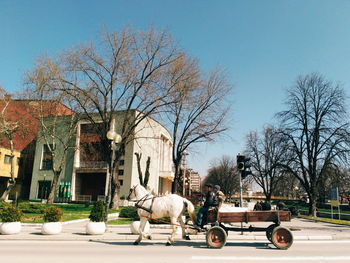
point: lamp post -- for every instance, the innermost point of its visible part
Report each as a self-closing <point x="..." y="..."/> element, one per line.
<point x="184" y="163"/>
<point x="114" y="138"/>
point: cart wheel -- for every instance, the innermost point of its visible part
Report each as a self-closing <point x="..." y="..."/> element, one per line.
<point x="282" y="237"/>
<point x="269" y="231"/>
<point x="216" y="237"/>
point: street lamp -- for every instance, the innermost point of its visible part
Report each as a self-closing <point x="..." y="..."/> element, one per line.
<point x="184" y="164"/>
<point x="114" y="138"/>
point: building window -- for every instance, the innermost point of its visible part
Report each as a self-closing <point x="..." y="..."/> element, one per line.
<point x="120" y="172"/>
<point x="7" y="159"/>
<point x="46" y="163"/>
<point x="121" y="162"/>
<point x="44" y="189"/>
<point x="121" y="182"/>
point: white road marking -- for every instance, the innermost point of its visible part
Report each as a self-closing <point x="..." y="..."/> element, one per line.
<point x="199" y="241"/>
<point x="281" y="259"/>
<point x="321" y="242"/>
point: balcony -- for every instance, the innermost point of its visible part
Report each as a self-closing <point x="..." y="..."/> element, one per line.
<point x="167" y="174"/>
<point x="92" y="165"/>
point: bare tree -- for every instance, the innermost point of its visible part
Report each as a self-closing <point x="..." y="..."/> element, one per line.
<point x="58" y="133"/>
<point x="57" y="123"/>
<point x="199" y="113"/>
<point x="8" y="128"/>
<point x="314" y="126"/>
<point x="128" y="71"/>
<point x="266" y="153"/>
<point x="143" y="179"/>
<point x="287" y="186"/>
<point x="223" y="172"/>
<point x="334" y="177"/>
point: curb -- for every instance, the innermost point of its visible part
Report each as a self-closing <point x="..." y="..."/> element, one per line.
<point x="110" y="217"/>
<point x="155" y="237"/>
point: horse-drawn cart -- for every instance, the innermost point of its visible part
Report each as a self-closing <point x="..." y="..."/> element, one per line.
<point x="280" y="236"/>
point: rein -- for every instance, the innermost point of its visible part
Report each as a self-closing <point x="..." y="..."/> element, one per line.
<point x="162" y="221"/>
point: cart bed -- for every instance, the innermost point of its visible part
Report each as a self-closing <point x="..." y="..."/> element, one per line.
<point x="254" y="216"/>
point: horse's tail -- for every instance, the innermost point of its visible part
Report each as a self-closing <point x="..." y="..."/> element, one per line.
<point x="190" y="210"/>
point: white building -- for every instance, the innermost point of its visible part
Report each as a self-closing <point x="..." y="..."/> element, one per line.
<point x="86" y="173"/>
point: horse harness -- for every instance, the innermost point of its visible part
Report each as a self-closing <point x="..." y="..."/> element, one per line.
<point x="139" y="203"/>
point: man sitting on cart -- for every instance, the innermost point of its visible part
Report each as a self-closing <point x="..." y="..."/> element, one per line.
<point x="219" y="195"/>
<point x="211" y="201"/>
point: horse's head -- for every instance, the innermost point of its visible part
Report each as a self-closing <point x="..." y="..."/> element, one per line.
<point x="132" y="194"/>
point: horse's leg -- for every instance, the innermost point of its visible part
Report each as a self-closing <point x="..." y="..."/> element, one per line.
<point x="184" y="235"/>
<point x="143" y="221"/>
<point x="174" y="227"/>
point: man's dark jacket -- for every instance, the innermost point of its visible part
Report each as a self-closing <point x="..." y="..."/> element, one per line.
<point x="211" y="199"/>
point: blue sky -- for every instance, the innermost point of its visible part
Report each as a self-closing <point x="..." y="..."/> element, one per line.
<point x="264" y="45"/>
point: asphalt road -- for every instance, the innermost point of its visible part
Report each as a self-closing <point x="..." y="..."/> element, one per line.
<point x="183" y="252"/>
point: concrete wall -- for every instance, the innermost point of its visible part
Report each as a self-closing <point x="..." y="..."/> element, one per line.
<point x="154" y="140"/>
<point x="5" y="168"/>
<point x="40" y="174"/>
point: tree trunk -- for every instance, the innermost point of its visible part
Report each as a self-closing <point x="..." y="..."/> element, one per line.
<point x="12" y="181"/>
<point x="138" y="161"/>
<point x="268" y="197"/>
<point x="175" y="184"/>
<point x="54" y="187"/>
<point x="312" y="207"/>
<point x="11" y="184"/>
<point x="115" y="197"/>
<point x="147" y="174"/>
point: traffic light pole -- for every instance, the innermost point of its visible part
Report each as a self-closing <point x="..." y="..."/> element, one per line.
<point x="240" y="190"/>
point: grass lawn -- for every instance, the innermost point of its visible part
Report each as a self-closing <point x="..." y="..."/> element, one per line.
<point x="70" y="212"/>
<point x="327" y="220"/>
<point x="121" y="221"/>
<point x="306" y="208"/>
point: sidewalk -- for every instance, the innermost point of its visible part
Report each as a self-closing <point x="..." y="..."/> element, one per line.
<point x="302" y="229"/>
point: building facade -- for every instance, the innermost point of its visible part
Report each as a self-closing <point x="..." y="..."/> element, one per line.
<point x="85" y="172"/>
<point x="26" y="114"/>
<point x="195" y="182"/>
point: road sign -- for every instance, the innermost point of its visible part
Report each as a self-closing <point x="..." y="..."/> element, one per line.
<point x="334" y="196"/>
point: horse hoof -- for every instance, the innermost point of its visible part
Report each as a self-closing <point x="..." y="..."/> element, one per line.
<point x="136" y="243"/>
<point x="187" y="238"/>
<point x="168" y="244"/>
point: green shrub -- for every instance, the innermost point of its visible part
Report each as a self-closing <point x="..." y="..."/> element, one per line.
<point x="53" y="214"/>
<point x="129" y="212"/>
<point x="3" y="204"/>
<point x="10" y="214"/>
<point x="98" y="212"/>
<point x="32" y="208"/>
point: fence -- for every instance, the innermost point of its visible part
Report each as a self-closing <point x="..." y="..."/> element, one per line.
<point x="336" y="215"/>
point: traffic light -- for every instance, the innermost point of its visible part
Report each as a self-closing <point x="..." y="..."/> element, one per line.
<point x="243" y="164"/>
<point x="240" y="162"/>
<point x="244" y="174"/>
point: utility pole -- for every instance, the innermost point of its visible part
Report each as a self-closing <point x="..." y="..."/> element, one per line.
<point x="242" y="166"/>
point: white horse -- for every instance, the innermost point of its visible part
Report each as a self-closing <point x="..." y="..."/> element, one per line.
<point x="150" y="206"/>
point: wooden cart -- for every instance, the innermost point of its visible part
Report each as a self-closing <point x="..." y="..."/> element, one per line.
<point x="280" y="236"/>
